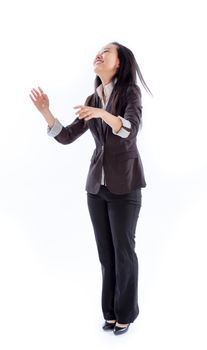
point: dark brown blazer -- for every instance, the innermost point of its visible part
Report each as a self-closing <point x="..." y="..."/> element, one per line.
<point x="119" y="156"/>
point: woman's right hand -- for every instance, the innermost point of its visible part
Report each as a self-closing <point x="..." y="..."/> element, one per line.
<point x="40" y="100"/>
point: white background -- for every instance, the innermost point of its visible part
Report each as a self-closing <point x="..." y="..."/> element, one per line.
<point x="49" y="270"/>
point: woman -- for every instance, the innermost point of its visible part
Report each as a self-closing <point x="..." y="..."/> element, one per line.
<point x="115" y="178"/>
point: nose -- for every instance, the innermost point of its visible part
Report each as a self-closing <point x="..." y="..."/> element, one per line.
<point x="98" y="57"/>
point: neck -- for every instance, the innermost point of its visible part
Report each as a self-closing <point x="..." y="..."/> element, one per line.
<point x="105" y="79"/>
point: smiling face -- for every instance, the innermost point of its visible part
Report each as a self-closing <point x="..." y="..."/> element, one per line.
<point x="106" y="61"/>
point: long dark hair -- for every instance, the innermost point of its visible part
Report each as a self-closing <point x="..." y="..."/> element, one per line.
<point x="126" y="75"/>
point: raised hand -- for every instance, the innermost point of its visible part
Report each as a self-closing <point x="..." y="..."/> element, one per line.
<point x="40" y="99"/>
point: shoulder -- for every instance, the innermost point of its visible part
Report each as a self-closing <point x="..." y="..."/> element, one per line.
<point x="133" y="94"/>
<point x="90" y="100"/>
<point x="133" y="89"/>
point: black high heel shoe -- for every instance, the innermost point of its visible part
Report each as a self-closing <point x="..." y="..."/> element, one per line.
<point x="108" y="326"/>
<point x="120" y="330"/>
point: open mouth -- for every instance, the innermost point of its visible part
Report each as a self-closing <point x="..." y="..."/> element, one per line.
<point x="98" y="62"/>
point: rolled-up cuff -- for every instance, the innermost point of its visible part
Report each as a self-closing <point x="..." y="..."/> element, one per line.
<point x="55" y="130"/>
<point x="125" y="129"/>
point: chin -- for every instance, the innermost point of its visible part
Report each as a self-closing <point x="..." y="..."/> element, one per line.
<point x="97" y="69"/>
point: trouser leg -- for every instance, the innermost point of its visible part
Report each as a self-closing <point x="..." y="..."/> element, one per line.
<point x="99" y="216"/>
<point x="123" y="211"/>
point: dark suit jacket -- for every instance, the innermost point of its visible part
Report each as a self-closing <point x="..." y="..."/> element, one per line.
<point x="119" y="156"/>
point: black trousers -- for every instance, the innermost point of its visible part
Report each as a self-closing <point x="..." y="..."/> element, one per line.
<point x="114" y="219"/>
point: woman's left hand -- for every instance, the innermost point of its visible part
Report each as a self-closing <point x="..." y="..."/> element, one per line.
<point x="87" y="113"/>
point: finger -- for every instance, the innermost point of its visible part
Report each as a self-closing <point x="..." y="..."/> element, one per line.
<point x="81" y="112"/>
<point x="89" y="117"/>
<point x="40" y="90"/>
<point x="34" y="95"/>
<point x="80" y="106"/>
<point x="35" y="92"/>
<point x="84" y="114"/>
<point x="83" y="109"/>
<point x="32" y="98"/>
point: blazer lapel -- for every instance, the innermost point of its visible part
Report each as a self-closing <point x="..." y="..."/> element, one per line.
<point x="98" y="124"/>
<point x="108" y="109"/>
<point x="102" y="128"/>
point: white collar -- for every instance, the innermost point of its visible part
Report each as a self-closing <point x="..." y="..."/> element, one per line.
<point x="107" y="89"/>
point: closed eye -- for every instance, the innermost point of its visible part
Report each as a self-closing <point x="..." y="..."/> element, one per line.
<point x="106" y="50"/>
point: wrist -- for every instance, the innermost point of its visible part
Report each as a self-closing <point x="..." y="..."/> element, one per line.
<point x="50" y="119"/>
<point x="104" y="115"/>
<point x="45" y="112"/>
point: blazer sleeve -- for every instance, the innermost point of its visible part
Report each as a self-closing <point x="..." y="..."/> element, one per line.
<point x="68" y="134"/>
<point x="133" y="111"/>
